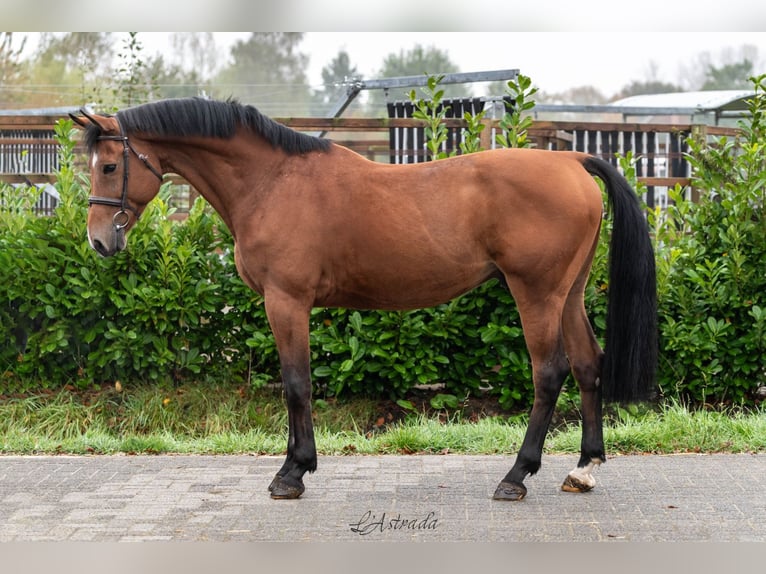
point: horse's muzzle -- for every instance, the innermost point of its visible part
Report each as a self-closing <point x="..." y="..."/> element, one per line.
<point x="108" y="244"/>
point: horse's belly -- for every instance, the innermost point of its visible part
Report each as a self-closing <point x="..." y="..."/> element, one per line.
<point x="400" y="289"/>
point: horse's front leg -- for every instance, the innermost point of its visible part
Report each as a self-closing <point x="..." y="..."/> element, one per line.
<point x="289" y="320"/>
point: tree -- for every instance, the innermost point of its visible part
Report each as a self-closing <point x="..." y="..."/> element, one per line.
<point x="269" y="72"/>
<point x="334" y="77"/>
<point x="133" y="85"/>
<point x="417" y="61"/>
<point x="729" y="76"/>
<point x="651" y="84"/>
<point x="69" y="68"/>
<point x="580" y="95"/>
<point x="10" y="68"/>
<point x="729" y="69"/>
<point x="77" y="50"/>
<point x="638" y="88"/>
<point x="196" y="53"/>
<point x="173" y="81"/>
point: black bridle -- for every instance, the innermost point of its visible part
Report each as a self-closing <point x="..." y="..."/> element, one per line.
<point x="121" y="218"/>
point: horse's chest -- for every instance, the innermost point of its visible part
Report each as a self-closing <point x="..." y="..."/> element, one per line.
<point x="246" y="272"/>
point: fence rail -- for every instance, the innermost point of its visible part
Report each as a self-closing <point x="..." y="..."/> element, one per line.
<point x="28" y="151"/>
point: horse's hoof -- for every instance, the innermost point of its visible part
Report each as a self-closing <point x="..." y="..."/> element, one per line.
<point x="581" y="478"/>
<point x="282" y="490"/>
<point x="513" y="491"/>
<point x="574" y="484"/>
<point x="274" y="482"/>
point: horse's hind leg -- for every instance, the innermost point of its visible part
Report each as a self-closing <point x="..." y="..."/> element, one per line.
<point x="290" y="324"/>
<point x="585" y="358"/>
<point x="541" y="320"/>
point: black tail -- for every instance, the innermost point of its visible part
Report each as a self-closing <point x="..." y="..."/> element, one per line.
<point x="630" y="361"/>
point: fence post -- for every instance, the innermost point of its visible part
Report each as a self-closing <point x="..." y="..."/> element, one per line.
<point x="485" y="138"/>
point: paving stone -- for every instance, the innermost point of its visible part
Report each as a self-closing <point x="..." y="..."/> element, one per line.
<point x="387" y="498"/>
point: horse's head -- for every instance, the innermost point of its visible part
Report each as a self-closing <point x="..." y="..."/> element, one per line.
<point x="122" y="178"/>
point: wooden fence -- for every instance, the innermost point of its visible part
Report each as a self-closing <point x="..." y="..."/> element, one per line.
<point x="408" y="144"/>
<point x="28" y="151"/>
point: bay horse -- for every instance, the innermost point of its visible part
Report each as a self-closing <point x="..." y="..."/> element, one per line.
<point x="318" y="225"/>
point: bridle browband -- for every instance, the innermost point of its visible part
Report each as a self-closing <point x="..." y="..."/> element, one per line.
<point x="121" y="218"/>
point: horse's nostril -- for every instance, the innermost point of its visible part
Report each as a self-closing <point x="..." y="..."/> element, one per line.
<point x="100" y="248"/>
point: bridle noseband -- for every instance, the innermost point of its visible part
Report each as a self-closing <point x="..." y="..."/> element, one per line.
<point x="121" y="218"/>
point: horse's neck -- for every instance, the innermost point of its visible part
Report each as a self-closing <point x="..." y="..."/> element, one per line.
<point x="222" y="171"/>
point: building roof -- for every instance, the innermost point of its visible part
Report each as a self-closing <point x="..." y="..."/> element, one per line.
<point x="57" y="111"/>
<point x="709" y="107"/>
<point x="698" y="102"/>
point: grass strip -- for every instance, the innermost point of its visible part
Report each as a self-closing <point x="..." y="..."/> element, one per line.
<point x="194" y="422"/>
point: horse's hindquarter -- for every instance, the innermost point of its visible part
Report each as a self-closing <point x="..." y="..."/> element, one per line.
<point x="547" y="210"/>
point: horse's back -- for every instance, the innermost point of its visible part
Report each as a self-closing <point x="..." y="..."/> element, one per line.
<point x="546" y="181"/>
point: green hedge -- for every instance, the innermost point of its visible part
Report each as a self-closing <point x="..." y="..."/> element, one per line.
<point x="172" y="307"/>
<point x="155" y="313"/>
<point x="712" y="269"/>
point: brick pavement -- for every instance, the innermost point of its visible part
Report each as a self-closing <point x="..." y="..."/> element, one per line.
<point x="385" y="498"/>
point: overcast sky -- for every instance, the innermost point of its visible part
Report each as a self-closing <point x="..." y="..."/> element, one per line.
<point x="558" y="43"/>
<point x="556" y="61"/>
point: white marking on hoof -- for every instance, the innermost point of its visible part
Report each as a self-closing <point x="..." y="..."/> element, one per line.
<point x="581" y="478"/>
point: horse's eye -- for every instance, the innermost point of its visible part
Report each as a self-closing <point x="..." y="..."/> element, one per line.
<point x="110" y="168"/>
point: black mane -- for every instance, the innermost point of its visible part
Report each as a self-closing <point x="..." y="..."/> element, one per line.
<point x="199" y="117"/>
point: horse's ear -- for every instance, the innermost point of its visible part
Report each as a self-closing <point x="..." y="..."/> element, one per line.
<point x="78" y="120"/>
<point x="90" y="117"/>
